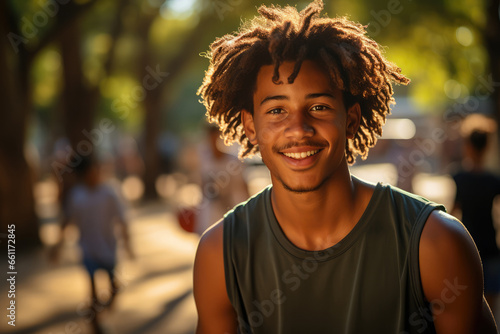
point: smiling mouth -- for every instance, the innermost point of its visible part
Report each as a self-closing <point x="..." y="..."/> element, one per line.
<point x="300" y="155"/>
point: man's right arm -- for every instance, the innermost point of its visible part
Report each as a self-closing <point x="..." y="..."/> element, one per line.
<point x="215" y="313"/>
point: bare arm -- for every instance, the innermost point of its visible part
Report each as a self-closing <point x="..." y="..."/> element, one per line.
<point x="54" y="251"/>
<point x="452" y="280"/>
<point x="126" y="239"/>
<point x="215" y="313"/>
<point x="122" y="222"/>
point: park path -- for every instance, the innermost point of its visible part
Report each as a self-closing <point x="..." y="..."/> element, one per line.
<point x="156" y="287"/>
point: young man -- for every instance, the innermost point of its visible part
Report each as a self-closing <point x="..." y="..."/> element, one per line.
<point x="321" y="251"/>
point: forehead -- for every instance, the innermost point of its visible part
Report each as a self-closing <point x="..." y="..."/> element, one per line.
<point x="312" y="77"/>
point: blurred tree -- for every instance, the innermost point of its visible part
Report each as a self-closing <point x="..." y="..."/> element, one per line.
<point x="491" y="35"/>
<point x="16" y="178"/>
<point x="81" y="95"/>
<point x="159" y="67"/>
<point x="25" y="37"/>
<point x="449" y="48"/>
<point x="163" y="70"/>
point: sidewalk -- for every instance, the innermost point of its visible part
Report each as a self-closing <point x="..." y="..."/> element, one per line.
<point x="156" y="287"/>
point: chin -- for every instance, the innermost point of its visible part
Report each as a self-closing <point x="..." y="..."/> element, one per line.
<point x="300" y="189"/>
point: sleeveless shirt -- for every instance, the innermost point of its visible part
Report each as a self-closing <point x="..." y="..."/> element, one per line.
<point x="369" y="282"/>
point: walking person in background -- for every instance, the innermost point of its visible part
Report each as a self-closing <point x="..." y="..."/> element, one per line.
<point x="94" y="207"/>
<point x="476" y="190"/>
<point x="322" y="251"/>
<point x="222" y="182"/>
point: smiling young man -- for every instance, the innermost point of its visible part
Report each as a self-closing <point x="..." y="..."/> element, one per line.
<point x="321" y="251"/>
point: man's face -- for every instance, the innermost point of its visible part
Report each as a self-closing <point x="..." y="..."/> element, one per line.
<point x="301" y="128"/>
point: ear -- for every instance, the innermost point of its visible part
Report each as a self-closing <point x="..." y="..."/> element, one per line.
<point x="353" y="120"/>
<point x="249" y="126"/>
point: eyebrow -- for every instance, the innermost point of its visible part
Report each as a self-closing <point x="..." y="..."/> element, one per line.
<point x="284" y="97"/>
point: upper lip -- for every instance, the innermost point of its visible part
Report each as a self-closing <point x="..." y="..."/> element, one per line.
<point x="300" y="149"/>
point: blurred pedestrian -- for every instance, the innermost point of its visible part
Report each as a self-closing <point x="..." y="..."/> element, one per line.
<point x="65" y="180"/>
<point x="476" y="189"/>
<point x="95" y="208"/>
<point x="222" y="182"/>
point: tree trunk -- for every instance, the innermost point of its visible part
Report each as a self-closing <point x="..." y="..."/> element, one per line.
<point x="78" y="111"/>
<point x="79" y="100"/>
<point x="16" y="177"/>
<point x="152" y="123"/>
<point x="166" y="74"/>
<point x="492" y="39"/>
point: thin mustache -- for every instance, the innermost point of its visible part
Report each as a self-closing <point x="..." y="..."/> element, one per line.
<point x="317" y="144"/>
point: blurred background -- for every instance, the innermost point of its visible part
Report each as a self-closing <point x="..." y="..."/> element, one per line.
<point x="118" y="79"/>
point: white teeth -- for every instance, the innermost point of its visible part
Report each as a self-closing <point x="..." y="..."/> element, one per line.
<point x="300" y="155"/>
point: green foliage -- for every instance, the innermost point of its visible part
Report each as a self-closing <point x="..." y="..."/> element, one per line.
<point x="437" y="43"/>
<point x="46" y="78"/>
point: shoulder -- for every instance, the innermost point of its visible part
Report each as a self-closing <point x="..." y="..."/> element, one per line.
<point x="76" y="192"/>
<point x="210" y="252"/>
<point x="495" y="179"/>
<point x="215" y="312"/>
<point x="444" y="236"/>
<point x="211" y="240"/>
<point x="257" y="204"/>
<point x="77" y="188"/>
<point x="108" y="190"/>
<point x="402" y="196"/>
<point x="451" y="273"/>
<point x="447" y="247"/>
<point x="410" y="207"/>
<point x="443" y="227"/>
<point x="209" y="260"/>
<point x="459" y="174"/>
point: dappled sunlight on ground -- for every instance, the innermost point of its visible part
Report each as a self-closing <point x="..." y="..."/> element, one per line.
<point x="155" y="288"/>
<point x="49" y="294"/>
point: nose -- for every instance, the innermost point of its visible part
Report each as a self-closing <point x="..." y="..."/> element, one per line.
<point x="298" y="127"/>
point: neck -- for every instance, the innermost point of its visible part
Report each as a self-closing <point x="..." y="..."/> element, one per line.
<point x="319" y="219"/>
<point x="474" y="163"/>
<point x="92" y="184"/>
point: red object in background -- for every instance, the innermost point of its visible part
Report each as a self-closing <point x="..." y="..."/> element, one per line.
<point x="187" y="219"/>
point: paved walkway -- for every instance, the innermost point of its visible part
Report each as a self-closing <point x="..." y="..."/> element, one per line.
<point x="156" y="287"/>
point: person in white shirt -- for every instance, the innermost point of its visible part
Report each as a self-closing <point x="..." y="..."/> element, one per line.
<point x="95" y="208"/>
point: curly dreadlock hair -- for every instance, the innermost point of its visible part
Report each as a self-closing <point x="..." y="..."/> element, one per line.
<point x="354" y="62"/>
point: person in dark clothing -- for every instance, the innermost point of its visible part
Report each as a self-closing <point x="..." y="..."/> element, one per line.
<point x="476" y="191"/>
<point x="321" y="251"/>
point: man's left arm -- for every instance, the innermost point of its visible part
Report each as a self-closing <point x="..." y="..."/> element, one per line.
<point x="452" y="278"/>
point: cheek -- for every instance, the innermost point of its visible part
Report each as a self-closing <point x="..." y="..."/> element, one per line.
<point x="266" y="135"/>
<point x="333" y="133"/>
<point x="331" y="129"/>
<point x="339" y="127"/>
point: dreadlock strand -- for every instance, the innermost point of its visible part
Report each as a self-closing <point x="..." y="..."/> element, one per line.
<point x="298" y="63"/>
<point x="269" y="13"/>
<point x="314" y="8"/>
<point x="308" y="14"/>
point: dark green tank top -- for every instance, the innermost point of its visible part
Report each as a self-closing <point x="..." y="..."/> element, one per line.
<point x="369" y="282"/>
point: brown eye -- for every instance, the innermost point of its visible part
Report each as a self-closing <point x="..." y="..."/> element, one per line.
<point x="319" y="108"/>
<point x="275" y="111"/>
